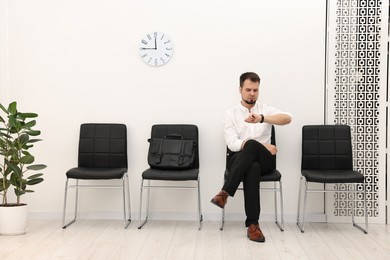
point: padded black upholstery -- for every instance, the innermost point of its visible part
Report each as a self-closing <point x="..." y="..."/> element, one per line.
<point x="102" y="155"/>
<point x="170" y="175"/>
<point x="274" y="175"/>
<point x="327" y="154"/>
<point x="102" y="152"/>
<point x="189" y="132"/>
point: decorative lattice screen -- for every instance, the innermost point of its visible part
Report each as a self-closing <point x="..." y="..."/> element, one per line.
<point x="358" y="29"/>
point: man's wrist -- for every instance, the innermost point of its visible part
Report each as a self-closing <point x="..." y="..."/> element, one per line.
<point x="262" y="118"/>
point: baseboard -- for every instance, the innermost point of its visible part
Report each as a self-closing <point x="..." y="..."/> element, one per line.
<point x="190" y="216"/>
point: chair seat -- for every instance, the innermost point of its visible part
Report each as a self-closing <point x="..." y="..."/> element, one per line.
<point x="95" y="173"/>
<point x="333" y="176"/>
<point x="274" y="175"/>
<point x="170" y="175"/>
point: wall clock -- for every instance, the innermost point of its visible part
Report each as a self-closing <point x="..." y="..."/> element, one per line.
<point x="156" y="49"/>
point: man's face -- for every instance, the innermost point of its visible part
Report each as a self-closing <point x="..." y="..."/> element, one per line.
<point x="250" y="92"/>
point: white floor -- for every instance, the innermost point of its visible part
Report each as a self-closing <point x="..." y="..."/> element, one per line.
<point x="106" y="239"/>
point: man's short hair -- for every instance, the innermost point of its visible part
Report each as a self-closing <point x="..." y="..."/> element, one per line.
<point x="249" y="75"/>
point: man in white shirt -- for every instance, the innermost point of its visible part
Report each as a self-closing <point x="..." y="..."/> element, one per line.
<point x="247" y="129"/>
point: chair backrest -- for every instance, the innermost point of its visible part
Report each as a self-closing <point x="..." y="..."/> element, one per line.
<point x="273" y="141"/>
<point x="326" y="147"/>
<point x="189" y="132"/>
<point x="103" y="145"/>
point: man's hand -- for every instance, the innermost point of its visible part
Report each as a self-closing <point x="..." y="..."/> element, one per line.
<point x="271" y="148"/>
<point x="253" y="118"/>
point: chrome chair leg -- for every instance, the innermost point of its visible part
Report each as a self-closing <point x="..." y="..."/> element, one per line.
<point x="281" y="223"/>
<point x="299" y="203"/>
<point x="301" y="225"/>
<point x="141" y="224"/>
<point x="364" y="230"/>
<point x="125" y="190"/>
<point x="222" y="219"/>
<point x="200" y="216"/>
<point x="65" y="201"/>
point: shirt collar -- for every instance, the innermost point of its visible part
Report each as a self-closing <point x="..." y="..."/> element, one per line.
<point x="245" y="109"/>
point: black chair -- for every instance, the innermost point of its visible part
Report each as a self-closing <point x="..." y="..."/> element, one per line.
<point x="102" y="156"/>
<point x="156" y="177"/>
<point x="274" y="176"/>
<point x="327" y="158"/>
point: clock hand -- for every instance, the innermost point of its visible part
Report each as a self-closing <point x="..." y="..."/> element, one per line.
<point x="148" y="48"/>
<point x="155" y="43"/>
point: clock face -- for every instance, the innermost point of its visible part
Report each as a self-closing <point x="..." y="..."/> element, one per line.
<point x="156" y="49"/>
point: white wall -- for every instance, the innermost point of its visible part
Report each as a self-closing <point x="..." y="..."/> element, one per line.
<point x="76" y="61"/>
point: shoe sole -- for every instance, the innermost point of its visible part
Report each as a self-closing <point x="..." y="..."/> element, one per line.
<point x="260" y="241"/>
<point x="216" y="204"/>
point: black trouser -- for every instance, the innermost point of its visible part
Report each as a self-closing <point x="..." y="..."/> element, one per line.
<point x="247" y="166"/>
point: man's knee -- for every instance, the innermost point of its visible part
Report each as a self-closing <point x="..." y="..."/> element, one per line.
<point x="251" y="145"/>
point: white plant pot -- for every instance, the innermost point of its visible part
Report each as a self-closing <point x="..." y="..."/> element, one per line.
<point x="13" y="220"/>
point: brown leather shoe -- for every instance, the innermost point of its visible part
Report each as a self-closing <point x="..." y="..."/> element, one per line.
<point x="220" y="199"/>
<point x="254" y="233"/>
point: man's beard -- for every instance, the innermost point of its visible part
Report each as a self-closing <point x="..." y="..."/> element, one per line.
<point x="249" y="102"/>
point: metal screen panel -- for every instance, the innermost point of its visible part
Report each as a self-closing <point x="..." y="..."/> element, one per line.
<point x="356" y="46"/>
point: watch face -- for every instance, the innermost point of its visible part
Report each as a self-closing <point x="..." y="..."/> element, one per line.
<point x="156" y="49"/>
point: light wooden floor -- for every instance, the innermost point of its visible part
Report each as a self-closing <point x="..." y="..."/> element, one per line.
<point x="106" y="239"/>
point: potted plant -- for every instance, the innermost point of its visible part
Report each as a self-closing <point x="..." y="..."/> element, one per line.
<point x="17" y="136"/>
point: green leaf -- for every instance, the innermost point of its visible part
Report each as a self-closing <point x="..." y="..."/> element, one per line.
<point x="14" y="124"/>
<point x="34" y="181"/>
<point x="26" y="153"/>
<point x="12" y="108"/>
<point x="33" y="132"/>
<point x="36" y="167"/>
<point x="19" y="192"/>
<point x="14" y="180"/>
<point x="26" y="147"/>
<point x="30" y="124"/>
<point x="35" y="176"/>
<point x="34" y="141"/>
<point x="7" y="184"/>
<point x="28" y="115"/>
<point x="24" y="138"/>
<point x="27" y="159"/>
<point x="14" y="168"/>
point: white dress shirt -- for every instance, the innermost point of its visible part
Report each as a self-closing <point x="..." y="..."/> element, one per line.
<point x="237" y="131"/>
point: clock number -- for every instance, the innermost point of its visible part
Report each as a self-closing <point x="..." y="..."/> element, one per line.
<point x="163" y="61"/>
<point x="167" y="42"/>
<point x="162" y="36"/>
<point x="149" y="60"/>
<point x="149" y="37"/>
<point x="166" y="54"/>
<point x="155" y="35"/>
<point x="168" y="49"/>
<point x="144" y="42"/>
<point x="143" y="56"/>
<point x="155" y="62"/>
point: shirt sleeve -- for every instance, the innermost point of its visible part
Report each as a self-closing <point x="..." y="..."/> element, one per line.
<point x="230" y="132"/>
<point x="270" y="110"/>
